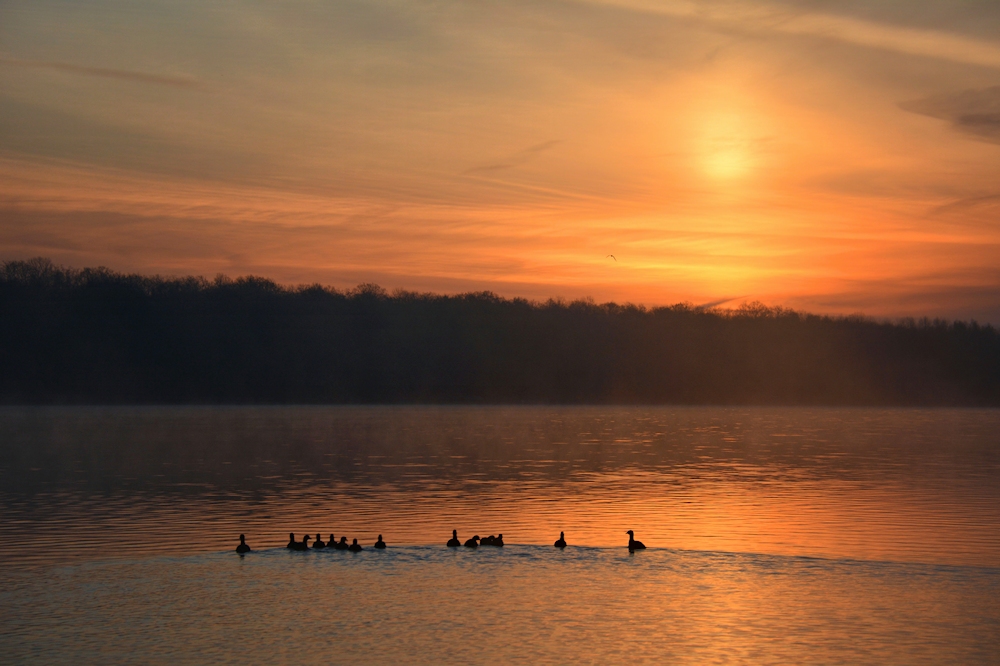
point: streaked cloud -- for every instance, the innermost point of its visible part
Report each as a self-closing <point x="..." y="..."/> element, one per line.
<point x="514" y="159"/>
<point x="120" y="74"/>
<point x="975" y="112"/>
<point x="796" y="19"/>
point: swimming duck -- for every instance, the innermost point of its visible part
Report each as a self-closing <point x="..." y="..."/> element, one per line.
<point x="332" y="543"/>
<point x="298" y="545"/>
<point x="487" y="541"/>
<point x="354" y="547"/>
<point x="342" y="544"/>
<point x="291" y="541"/>
<point x="498" y="542"/>
<point x="453" y="542"/>
<point x="633" y="544"/>
<point x="243" y="547"/>
<point x="473" y="542"/>
<point x="561" y="541"/>
<point x="380" y="544"/>
<point x="318" y="543"/>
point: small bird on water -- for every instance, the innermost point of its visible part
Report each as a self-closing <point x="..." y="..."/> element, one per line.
<point x="380" y="544"/>
<point x="453" y="542"/>
<point x="318" y="543"/>
<point x="297" y="545"/>
<point x="342" y="544"/>
<point x="354" y="547"/>
<point x="473" y="542"/>
<point x="243" y="547"/>
<point x="633" y="544"/>
<point x="561" y="541"/>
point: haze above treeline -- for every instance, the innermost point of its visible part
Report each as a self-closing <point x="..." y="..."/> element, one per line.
<point x="95" y="336"/>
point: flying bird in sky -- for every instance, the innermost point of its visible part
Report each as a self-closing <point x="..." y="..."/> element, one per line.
<point x="613" y="257"/>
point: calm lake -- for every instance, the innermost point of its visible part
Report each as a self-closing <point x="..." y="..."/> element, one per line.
<point x="775" y="535"/>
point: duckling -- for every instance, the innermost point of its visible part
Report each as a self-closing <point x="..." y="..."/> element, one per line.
<point x="380" y="544"/>
<point x="342" y="544"/>
<point x="473" y="542"/>
<point x="243" y="547"/>
<point x="318" y="543"/>
<point x="561" y="541"/>
<point x="633" y="544"/>
<point x="354" y="547"/>
<point x="453" y="542"/>
<point x="498" y="542"/>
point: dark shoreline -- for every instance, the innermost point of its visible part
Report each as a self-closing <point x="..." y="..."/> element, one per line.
<point x="93" y="337"/>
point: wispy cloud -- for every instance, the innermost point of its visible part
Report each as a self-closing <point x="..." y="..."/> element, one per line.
<point x="718" y="302"/>
<point x="515" y="159"/>
<point x="121" y="74"/>
<point x="975" y="112"/>
<point x="765" y="18"/>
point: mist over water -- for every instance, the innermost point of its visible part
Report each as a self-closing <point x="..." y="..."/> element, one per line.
<point x="781" y="535"/>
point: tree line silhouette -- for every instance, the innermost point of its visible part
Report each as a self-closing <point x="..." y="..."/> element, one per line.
<point x="98" y="336"/>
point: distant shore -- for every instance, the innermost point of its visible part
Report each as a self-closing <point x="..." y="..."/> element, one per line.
<point x="94" y="336"/>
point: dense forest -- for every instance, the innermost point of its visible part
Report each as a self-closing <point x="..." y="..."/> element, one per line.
<point x="96" y="336"/>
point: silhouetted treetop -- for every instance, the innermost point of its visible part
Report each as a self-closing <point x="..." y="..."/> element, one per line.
<point x="98" y="336"/>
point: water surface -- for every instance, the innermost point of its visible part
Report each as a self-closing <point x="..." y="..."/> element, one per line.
<point x="776" y="535"/>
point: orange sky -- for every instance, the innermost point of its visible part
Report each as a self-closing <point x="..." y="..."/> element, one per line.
<point x="835" y="157"/>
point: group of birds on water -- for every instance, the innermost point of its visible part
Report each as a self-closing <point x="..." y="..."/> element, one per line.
<point x="453" y="542"/>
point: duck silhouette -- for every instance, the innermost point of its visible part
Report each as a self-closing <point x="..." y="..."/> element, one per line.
<point x="243" y="547"/>
<point x="473" y="542"/>
<point x="453" y="542"/>
<point x="342" y="544"/>
<point x="380" y="544"/>
<point x="299" y="545"/>
<point x="561" y="541"/>
<point x="332" y="543"/>
<point x="487" y="541"/>
<point x="498" y="542"/>
<point x="354" y="547"/>
<point x="633" y="544"/>
<point x="318" y="543"/>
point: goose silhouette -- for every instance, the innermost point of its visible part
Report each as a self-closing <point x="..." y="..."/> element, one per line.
<point x="561" y="541"/>
<point x="354" y="547"/>
<point x="243" y="547"/>
<point x="473" y="542"/>
<point x="297" y="545"/>
<point x="453" y="542"/>
<point x="318" y="543"/>
<point x="633" y="544"/>
<point x="380" y="544"/>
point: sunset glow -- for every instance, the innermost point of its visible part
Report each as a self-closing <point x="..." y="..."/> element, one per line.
<point x="832" y="158"/>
